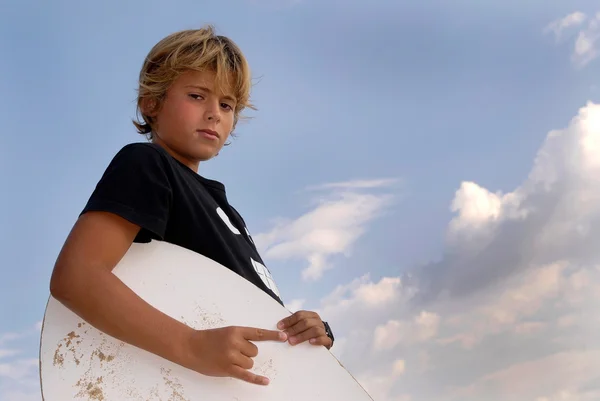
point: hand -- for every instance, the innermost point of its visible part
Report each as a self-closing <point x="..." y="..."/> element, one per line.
<point x="305" y="326"/>
<point x="228" y="351"/>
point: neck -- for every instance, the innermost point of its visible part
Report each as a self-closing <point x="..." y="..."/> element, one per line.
<point x="191" y="164"/>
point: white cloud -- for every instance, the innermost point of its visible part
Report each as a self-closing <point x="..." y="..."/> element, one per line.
<point x="510" y="311"/>
<point x="4" y="352"/>
<point x="19" y="369"/>
<point x="295" y="305"/>
<point x="12" y="336"/>
<point x="587" y="43"/>
<point x="340" y="217"/>
<point x="517" y="331"/>
<point x="563" y="374"/>
<point x="19" y="379"/>
<point x="363" y="296"/>
<point x="547" y="219"/>
<point x="586" y="46"/>
<point x="21" y="395"/>
<point x="357" y="184"/>
<point x="510" y="308"/>
<point x="6" y="337"/>
<point x="399" y="367"/>
<point x="560" y="25"/>
<point x="423" y="327"/>
<point x="378" y="386"/>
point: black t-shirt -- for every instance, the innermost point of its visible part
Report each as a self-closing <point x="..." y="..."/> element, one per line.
<point x="147" y="186"/>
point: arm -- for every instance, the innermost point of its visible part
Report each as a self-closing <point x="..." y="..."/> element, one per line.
<point x="83" y="281"/>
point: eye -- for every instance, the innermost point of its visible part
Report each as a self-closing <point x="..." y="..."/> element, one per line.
<point x="226" y="106"/>
<point x="196" y="96"/>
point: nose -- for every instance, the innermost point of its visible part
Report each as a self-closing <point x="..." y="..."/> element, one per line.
<point x="212" y="111"/>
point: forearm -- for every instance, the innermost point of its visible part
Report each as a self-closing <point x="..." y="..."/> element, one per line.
<point x="104" y="301"/>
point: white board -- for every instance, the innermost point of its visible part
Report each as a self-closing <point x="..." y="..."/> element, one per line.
<point x="78" y="362"/>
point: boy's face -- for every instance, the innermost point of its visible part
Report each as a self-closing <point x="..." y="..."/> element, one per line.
<point x="195" y="118"/>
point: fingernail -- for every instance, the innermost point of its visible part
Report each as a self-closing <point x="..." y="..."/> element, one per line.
<point x="283" y="336"/>
<point x="313" y="340"/>
<point x="292" y="340"/>
<point x="265" y="381"/>
<point x="280" y="325"/>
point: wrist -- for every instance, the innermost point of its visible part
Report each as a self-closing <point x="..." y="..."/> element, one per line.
<point x="181" y="346"/>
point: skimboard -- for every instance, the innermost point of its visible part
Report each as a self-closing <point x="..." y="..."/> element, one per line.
<point x="79" y="362"/>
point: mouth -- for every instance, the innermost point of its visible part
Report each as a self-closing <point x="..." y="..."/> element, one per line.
<point x="210" y="133"/>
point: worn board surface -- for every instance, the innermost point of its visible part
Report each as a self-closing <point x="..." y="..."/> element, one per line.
<point x="78" y="362"/>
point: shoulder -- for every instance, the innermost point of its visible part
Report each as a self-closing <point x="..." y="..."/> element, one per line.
<point x="140" y="156"/>
<point x="140" y="151"/>
<point x="138" y="164"/>
<point x="137" y="186"/>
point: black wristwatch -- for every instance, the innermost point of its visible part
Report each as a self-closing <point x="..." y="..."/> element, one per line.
<point x="329" y="332"/>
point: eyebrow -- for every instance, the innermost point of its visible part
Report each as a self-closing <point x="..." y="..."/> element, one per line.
<point x="229" y="97"/>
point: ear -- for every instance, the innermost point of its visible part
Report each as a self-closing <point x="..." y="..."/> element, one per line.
<point x="149" y="106"/>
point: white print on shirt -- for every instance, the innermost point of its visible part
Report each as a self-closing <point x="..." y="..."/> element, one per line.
<point x="265" y="276"/>
<point x="261" y="270"/>
<point x="227" y="222"/>
<point x="249" y="236"/>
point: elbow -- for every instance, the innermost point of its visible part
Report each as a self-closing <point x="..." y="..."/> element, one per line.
<point x="59" y="284"/>
<point x="56" y="290"/>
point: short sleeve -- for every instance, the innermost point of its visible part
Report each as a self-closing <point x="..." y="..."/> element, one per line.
<point x="136" y="187"/>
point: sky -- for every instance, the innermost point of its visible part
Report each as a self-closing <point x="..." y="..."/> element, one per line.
<point x="422" y="174"/>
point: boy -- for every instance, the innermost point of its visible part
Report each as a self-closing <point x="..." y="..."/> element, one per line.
<point x="192" y="87"/>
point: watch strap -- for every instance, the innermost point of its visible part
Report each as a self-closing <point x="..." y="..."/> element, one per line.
<point x="329" y="332"/>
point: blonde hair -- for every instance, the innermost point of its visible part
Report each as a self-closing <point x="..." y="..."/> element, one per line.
<point x="193" y="49"/>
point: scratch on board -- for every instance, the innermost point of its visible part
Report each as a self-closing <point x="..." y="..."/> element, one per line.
<point x="70" y="337"/>
<point x="135" y="393"/>
<point x="267" y="369"/>
<point x="176" y="387"/>
<point x="102" y="357"/>
<point x="69" y="346"/>
<point x="204" y="319"/>
<point x="59" y="358"/>
<point x="91" y="382"/>
<point x="91" y="389"/>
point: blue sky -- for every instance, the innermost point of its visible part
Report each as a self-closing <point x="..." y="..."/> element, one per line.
<point x="429" y="94"/>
